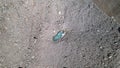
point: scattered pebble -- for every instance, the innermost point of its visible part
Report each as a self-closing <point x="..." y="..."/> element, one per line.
<point x="59" y="24"/>
<point x="101" y="47"/>
<point x="110" y="57"/>
<point x="33" y="57"/>
<point x="103" y="63"/>
<point x="59" y="12"/>
<point x="98" y="30"/>
<point x="112" y="17"/>
<point x="5" y="5"/>
<point x="107" y="31"/>
<point x="54" y="31"/>
<point x="115" y="43"/>
<point x="48" y="67"/>
<point x="65" y="56"/>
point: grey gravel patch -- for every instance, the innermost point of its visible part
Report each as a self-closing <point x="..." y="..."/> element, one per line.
<point x="27" y="27"/>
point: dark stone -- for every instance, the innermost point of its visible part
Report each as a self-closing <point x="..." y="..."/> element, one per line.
<point x="109" y="54"/>
<point x="119" y="29"/>
<point x="64" y="67"/>
<point x="115" y="42"/>
<point x="65" y="56"/>
<point x="29" y="48"/>
<point x="89" y="6"/>
<point x="20" y="67"/>
<point x="35" y="37"/>
<point x="112" y="28"/>
<point x="83" y="55"/>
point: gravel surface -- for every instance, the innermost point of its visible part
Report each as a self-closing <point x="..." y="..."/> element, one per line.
<point x="92" y="38"/>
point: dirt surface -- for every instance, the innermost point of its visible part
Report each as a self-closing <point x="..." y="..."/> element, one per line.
<point x="92" y="38"/>
<point x="110" y="7"/>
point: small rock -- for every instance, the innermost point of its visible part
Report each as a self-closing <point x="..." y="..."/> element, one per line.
<point x="101" y="47"/>
<point x="59" y="12"/>
<point x="35" y="37"/>
<point x="54" y="31"/>
<point x="33" y="57"/>
<point x="65" y="56"/>
<point x="112" y="17"/>
<point x="107" y="31"/>
<point x="98" y="30"/>
<point x="119" y="29"/>
<point x="110" y="57"/>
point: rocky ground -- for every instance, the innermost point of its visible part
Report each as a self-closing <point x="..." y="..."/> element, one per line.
<point x="92" y="38"/>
